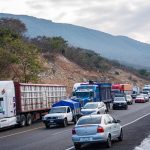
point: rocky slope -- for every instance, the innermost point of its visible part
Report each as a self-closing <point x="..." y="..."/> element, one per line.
<point x="63" y="71"/>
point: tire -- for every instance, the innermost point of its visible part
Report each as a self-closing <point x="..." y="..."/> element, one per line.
<point x="109" y="142"/>
<point x="120" y="138"/>
<point x="47" y="126"/>
<point x="77" y="146"/>
<point x="65" y="123"/>
<point x="108" y="106"/>
<point x="113" y="108"/>
<point x="29" y="119"/>
<point x="22" y="120"/>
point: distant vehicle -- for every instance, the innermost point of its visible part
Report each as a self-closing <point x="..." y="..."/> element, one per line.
<point x="22" y="103"/>
<point x="93" y="92"/>
<point x="122" y="88"/>
<point x="140" y="99"/>
<point x="146" y="90"/>
<point x="135" y="91"/>
<point x="96" y="129"/>
<point x="145" y="96"/>
<point x="120" y="102"/>
<point x="94" y="108"/>
<point x="129" y="99"/>
<point x="62" y="113"/>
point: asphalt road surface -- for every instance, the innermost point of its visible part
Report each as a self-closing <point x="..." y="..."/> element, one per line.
<point x="135" y="121"/>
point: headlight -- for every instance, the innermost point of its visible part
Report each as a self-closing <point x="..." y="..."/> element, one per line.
<point x="43" y="118"/>
<point x="60" y="117"/>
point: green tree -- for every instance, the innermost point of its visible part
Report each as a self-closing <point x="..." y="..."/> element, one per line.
<point x="19" y="55"/>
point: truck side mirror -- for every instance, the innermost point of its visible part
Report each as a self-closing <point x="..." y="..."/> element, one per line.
<point x="73" y="94"/>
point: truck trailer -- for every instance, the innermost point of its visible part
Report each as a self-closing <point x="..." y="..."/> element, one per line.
<point x="22" y="103"/>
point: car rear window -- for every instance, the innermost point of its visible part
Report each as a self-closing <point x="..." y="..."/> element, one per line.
<point x="89" y="120"/>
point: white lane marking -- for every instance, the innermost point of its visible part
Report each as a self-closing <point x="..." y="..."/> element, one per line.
<point x="70" y="148"/>
<point x="20" y="132"/>
<point x="135" y="120"/>
<point x="2" y="137"/>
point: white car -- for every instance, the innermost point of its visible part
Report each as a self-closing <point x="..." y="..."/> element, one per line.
<point x="146" y="97"/>
<point x="96" y="129"/>
<point x="129" y="99"/>
<point x="94" y="108"/>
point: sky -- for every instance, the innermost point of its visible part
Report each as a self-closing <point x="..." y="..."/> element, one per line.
<point x="118" y="17"/>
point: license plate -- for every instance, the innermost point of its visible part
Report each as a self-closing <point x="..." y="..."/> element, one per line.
<point x="85" y="139"/>
<point x="51" y="121"/>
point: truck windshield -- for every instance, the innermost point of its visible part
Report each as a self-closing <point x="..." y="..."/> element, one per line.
<point x="57" y="110"/>
<point x="1" y="108"/>
<point x="82" y="94"/>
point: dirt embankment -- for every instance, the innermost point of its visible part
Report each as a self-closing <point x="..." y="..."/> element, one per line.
<point x="63" y="71"/>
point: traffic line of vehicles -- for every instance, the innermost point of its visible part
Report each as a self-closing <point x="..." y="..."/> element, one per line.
<point x="21" y="103"/>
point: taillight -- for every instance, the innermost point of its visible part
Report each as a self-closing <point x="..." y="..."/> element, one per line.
<point x="73" y="131"/>
<point x="100" y="130"/>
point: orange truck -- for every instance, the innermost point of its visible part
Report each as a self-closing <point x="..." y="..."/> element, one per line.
<point x="122" y="88"/>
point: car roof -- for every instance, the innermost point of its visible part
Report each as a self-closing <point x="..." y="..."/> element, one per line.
<point x="94" y="102"/>
<point x="93" y="116"/>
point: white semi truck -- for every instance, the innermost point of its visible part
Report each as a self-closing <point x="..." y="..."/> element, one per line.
<point x="21" y="103"/>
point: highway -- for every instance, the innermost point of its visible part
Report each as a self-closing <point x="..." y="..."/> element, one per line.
<point x="135" y="122"/>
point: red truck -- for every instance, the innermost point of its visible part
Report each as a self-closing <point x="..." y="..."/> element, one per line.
<point x="21" y="103"/>
<point x="121" y="88"/>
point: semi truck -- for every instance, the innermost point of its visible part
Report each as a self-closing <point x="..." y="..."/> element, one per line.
<point x="62" y="113"/>
<point x="93" y="92"/>
<point x="22" y="103"/>
<point x="146" y="90"/>
<point x="135" y="91"/>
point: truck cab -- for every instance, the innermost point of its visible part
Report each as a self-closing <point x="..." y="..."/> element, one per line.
<point x="7" y="104"/>
<point x="93" y="92"/>
<point x="60" y="115"/>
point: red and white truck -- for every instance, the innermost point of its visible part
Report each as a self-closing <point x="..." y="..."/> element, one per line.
<point x="121" y="88"/>
<point x="21" y="103"/>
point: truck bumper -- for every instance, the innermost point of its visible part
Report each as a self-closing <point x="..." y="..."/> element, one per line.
<point x="53" y="122"/>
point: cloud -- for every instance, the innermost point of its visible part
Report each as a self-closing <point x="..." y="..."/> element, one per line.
<point x="118" y="17"/>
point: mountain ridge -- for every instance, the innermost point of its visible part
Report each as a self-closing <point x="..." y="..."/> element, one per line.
<point x="121" y="48"/>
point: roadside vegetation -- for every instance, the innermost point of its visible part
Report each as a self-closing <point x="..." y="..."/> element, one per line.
<point x="20" y="56"/>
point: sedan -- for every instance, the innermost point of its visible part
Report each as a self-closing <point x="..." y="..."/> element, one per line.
<point x="95" y="129"/>
<point x="140" y="99"/>
<point x="93" y="108"/>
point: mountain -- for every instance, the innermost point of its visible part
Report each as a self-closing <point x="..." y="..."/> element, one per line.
<point x="126" y="50"/>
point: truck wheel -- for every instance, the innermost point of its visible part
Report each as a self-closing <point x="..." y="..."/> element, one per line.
<point x="77" y="146"/>
<point x="22" y="120"/>
<point x="65" y="123"/>
<point x="29" y="119"/>
<point x="47" y="126"/>
<point x="108" y="106"/>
